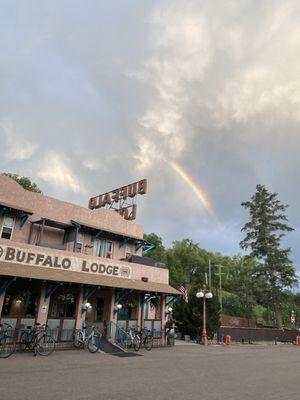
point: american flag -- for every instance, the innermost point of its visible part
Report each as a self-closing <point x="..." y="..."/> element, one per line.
<point x="184" y="293"/>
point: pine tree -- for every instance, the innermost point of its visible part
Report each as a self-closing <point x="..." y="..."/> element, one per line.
<point x="264" y="231"/>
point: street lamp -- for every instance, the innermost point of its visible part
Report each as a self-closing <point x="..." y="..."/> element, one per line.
<point x="86" y="307"/>
<point x="204" y="294"/>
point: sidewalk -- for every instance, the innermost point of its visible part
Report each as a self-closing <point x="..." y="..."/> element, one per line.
<point x="184" y="343"/>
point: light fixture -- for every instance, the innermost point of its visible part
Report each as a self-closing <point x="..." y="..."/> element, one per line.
<point x="119" y="306"/>
<point x="18" y="301"/>
<point x="204" y="294"/>
<point x="170" y="309"/>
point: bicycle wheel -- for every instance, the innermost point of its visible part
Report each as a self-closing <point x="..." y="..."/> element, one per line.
<point x="77" y="339"/>
<point x="94" y="343"/>
<point x="24" y="341"/>
<point x="45" y="345"/>
<point x="7" y="346"/>
<point x="148" y="342"/>
<point x="136" y="343"/>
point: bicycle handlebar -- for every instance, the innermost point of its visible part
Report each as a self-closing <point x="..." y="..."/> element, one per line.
<point x="5" y="323"/>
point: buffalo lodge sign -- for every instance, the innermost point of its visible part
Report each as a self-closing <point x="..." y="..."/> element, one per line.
<point x="14" y="255"/>
<point x="121" y="199"/>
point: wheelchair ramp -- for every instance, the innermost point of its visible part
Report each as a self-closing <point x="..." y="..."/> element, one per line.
<point x="110" y="348"/>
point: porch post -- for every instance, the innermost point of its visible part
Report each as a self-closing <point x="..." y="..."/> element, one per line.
<point x="43" y="308"/>
<point x="80" y="317"/>
<point x="163" y="317"/>
<point x="2" y="297"/>
<point x="139" y="311"/>
<point x="112" y="316"/>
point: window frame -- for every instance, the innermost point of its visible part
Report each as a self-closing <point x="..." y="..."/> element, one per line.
<point x="112" y="248"/>
<point x="101" y="245"/>
<point x="129" y="253"/>
<point x="81" y="243"/>
<point x="12" y="229"/>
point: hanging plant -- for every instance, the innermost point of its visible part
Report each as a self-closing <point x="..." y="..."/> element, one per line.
<point x="24" y="297"/>
<point x="154" y="302"/>
<point x="67" y="298"/>
<point x="130" y="301"/>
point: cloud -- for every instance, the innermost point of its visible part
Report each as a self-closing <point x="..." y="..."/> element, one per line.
<point x="180" y="52"/>
<point x="92" y="165"/>
<point x="58" y="173"/>
<point x="108" y="93"/>
<point x="17" y="147"/>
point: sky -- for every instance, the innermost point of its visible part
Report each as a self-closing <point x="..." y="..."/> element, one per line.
<point x="97" y="94"/>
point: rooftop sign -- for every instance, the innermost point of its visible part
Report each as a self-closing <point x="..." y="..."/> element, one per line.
<point x="121" y="199"/>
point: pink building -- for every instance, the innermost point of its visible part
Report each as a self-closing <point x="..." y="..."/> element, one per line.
<point x="56" y="256"/>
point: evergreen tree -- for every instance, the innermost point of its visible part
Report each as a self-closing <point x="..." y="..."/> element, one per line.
<point x="264" y="231"/>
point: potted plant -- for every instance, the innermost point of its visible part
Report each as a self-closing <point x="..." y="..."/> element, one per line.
<point x="154" y="302"/>
<point x="130" y="301"/>
<point x="67" y="298"/>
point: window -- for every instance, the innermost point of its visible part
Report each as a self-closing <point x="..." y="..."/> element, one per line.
<point x="63" y="305"/>
<point x="79" y="242"/>
<point x="7" y="227"/>
<point x="103" y="248"/>
<point x="109" y="249"/>
<point x="99" y="310"/>
<point x="128" y="251"/>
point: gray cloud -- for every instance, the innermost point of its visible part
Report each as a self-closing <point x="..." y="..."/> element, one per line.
<point x="95" y="95"/>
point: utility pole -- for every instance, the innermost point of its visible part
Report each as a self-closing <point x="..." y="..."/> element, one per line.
<point x="220" y="273"/>
<point x="209" y="274"/>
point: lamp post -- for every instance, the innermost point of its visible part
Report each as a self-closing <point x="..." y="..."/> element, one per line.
<point x="204" y="294"/>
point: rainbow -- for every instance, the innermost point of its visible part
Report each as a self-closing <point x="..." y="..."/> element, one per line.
<point x="195" y="188"/>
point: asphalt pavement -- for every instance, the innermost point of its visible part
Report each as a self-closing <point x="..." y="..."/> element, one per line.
<point x="184" y="372"/>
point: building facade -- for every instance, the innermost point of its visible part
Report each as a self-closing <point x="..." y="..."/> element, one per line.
<point x="55" y="257"/>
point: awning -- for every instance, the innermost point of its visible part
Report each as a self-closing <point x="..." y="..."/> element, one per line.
<point x="52" y="223"/>
<point x="14" y="208"/>
<point x="87" y="227"/>
<point x="48" y="274"/>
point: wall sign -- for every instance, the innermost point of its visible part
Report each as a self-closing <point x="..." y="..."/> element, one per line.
<point x="23" y="256"/>
<point x="44" y="309"/>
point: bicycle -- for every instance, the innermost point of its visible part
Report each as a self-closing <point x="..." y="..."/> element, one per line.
<point x="133" y="339"/>
<point x="91" y="341"/>
<point x="7" y="342"/>
<point x="37" y="339"/>
<point x="146" y="338"/>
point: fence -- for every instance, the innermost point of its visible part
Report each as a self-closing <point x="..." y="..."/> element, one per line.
<point x="119" y="335"/>
<point x="252" y="335"/>
<point x="63" y="337"/>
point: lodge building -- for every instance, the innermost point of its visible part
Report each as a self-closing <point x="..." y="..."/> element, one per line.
<point x="56" y="256"/>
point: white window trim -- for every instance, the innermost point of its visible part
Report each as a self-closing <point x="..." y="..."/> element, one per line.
<point x="12" y="230"/>
<point x="112" y="247"/>
<point x="128" y="253"/>
<point x="103" y="242"/>
<point x="82" y="243"/>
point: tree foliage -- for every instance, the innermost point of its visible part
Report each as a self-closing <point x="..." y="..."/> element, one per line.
<point x="190" y="315"/>
<point x="264" y="233"/>
<point x="25" y="182"/>
<point x="158" y="253"/>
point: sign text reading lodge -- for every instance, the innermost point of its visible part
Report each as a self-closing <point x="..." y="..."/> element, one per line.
<point x="40" y="259"/>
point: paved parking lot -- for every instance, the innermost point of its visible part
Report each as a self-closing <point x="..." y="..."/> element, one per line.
<point x="184" y="372"/>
